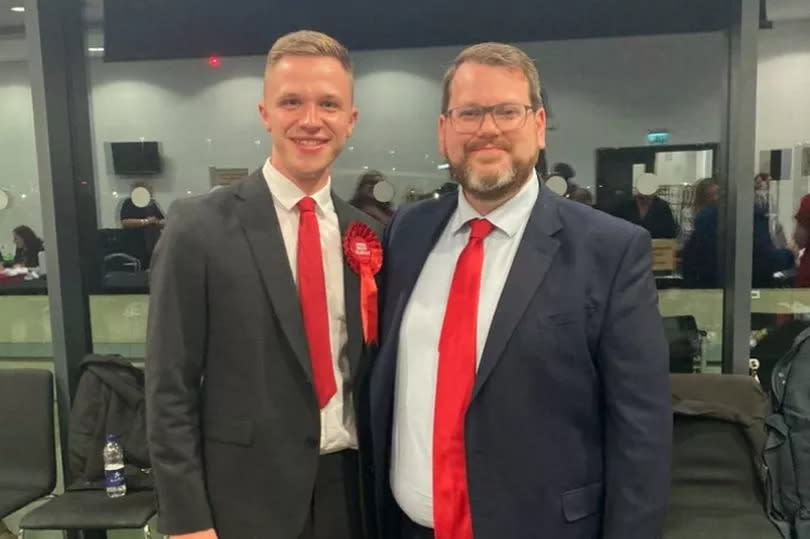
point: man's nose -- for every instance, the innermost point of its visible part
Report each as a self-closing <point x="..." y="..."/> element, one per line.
<point x="311" y="117"/>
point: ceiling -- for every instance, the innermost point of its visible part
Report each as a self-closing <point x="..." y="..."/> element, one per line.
<point x="383" y="30"/>
<point x="12" y="23"/>
<point x="148" y="29"/>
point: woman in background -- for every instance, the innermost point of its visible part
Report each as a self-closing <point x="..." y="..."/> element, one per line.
<point x="706" y="193"/>
<point x="700" y="255"/>
<point x="28" y="247"/>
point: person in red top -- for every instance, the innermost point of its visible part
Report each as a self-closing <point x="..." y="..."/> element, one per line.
<point x="802" y="237"/>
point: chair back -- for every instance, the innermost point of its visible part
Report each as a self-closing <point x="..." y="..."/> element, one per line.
<point x="27" y="450"/>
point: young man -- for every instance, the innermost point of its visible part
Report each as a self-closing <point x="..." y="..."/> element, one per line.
<point x="255" y="352"/>
<point x="521" y="389"/>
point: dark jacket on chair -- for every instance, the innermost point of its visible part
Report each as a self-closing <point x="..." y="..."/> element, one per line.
<point x="108" y="400"/>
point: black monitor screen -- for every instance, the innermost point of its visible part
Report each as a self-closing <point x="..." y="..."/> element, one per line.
<point x="136" y="158"/>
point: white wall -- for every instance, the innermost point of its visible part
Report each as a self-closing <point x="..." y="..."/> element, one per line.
<point x="18" y="163"/>
<point x="783" y="102"/>
<point x="674" y="168"/>
<point x="604" y="93"/>
<point x="783" y="90"/>
<point x="610" y="92"/>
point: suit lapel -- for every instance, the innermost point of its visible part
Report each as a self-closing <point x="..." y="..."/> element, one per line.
<point x="258" y="218"/>
<point x="401" y="270"/>
<point x="532" y="262"/>
<point x="351" y="290"/>
<point x="419" y="245"/>
<point x="413" y="247"/>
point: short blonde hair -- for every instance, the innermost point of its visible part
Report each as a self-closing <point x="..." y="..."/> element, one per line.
<point x="308" y="43"/>
<point x="498" y="55"/>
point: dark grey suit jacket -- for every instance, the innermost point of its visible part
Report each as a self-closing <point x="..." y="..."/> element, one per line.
<point x="233" y="423"/>
<point x="568" y="433"/>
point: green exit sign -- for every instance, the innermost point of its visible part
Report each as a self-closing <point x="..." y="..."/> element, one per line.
<point x="657" y="137"/>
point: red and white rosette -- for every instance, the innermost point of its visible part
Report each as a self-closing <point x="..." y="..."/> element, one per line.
<point x="363" y="254"/>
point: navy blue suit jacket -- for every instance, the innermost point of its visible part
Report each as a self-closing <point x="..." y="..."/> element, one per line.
<point x="569" y="429"/>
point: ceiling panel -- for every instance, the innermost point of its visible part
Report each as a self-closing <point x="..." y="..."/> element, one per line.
<point x="151" y="29"/>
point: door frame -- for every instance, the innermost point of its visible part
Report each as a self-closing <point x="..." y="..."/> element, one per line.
<point x="600" y="153"/>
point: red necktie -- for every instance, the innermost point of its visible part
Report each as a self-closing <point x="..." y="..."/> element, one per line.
<point x="312" y="295"/>
<point x="454" y="383"/>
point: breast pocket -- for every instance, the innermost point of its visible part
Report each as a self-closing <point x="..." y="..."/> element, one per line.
<point x="562" y="318"/>
<point x="561" y="332"/>
<point x="556" y="345"/>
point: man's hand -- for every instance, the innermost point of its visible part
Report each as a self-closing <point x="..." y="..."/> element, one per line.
<point x="205" y="534"/>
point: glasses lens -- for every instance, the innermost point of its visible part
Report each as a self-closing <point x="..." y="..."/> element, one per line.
<point x="509" y="116"/>
<point x="467" y="119"/>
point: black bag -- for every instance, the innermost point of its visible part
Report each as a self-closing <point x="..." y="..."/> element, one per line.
<point x="787" y="453"/>
<point x="109" y="400"/>
<point x="718" y="475"/>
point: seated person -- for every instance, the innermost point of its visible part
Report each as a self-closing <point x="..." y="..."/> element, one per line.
<point x="28" y="246"/>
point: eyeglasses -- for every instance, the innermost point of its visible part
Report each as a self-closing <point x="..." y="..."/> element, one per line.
<point x="507" y="117"/>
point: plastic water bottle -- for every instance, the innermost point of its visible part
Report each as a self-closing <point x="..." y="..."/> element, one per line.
<point x="114" y="479"/>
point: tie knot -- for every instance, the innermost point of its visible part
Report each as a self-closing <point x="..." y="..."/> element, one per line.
<point x="480" y="229"/>
<point x="306" y="204"/>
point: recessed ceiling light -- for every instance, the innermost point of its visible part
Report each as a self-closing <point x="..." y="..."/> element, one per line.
<point x="18" y="9"/>
<point x="95" y="49"/>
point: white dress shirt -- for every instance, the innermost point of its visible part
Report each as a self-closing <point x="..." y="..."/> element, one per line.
<point x="418" y="353"/>
<point x="338" y="428"/>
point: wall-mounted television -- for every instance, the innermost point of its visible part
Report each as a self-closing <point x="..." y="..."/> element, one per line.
<point x="136" y="158"/>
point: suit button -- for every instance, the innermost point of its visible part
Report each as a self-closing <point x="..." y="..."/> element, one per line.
<point x="313" y="442"/>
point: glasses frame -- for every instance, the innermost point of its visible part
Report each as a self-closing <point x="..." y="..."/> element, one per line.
<point x="490" y="110"/>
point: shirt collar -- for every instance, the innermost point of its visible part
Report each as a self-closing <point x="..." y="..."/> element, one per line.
<point x="507" y="218"/>
<point x="286" y="193"/>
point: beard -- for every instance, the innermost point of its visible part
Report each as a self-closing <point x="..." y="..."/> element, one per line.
<point x="494" y="184"/>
